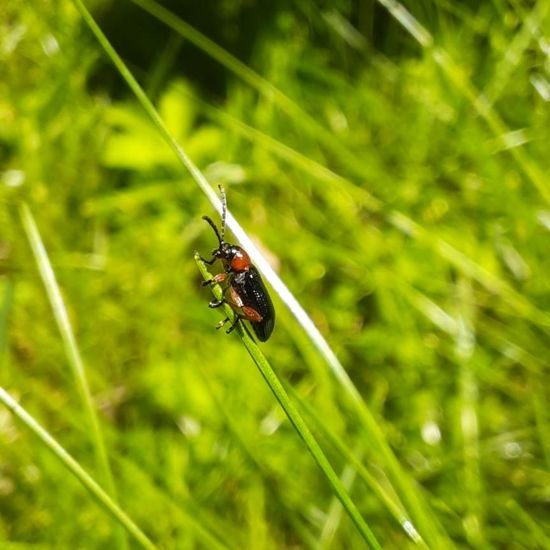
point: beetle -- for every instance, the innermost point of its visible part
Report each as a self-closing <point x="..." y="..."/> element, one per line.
<point x="244" y="289"/>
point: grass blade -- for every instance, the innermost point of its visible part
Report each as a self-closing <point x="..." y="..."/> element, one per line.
<point x="395" y="508"/>
<point x="514" y="510"/>
<point x="297" y="421"/>
<point x="104" y="500"/>
<point x="334" y="512"/>
<point x="5" y="310"/>
<point x="69" y="343"/>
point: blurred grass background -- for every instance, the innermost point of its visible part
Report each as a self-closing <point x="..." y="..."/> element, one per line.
<point x="402" y="194"/>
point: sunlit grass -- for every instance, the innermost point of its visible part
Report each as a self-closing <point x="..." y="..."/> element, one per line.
<point x="388" y="164"/>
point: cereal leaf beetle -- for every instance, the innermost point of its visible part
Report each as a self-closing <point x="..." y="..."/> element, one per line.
<point x="244" y="289"/>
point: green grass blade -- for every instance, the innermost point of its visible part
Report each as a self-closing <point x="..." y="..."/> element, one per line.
<point x="540" y="409"/>
<point x="67" y="334"/>
<point x="410" y="495"/>
<point x="468" y="426"/>
<point x="522" y="40"/>
<point x="333" y="517"/>
<point x="69" y="343"/>
<point x="103" y="499"/>
<point x="394" y="507"/>
<point x="297" y="421"/>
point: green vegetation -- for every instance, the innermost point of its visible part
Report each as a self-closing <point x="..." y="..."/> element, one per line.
<point x="390" y="164"/>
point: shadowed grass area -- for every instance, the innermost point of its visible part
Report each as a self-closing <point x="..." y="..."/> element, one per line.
<point x="386" y="162"/>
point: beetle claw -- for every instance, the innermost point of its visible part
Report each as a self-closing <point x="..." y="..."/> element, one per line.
<point x="232" y="327"/>
<point x="221" y="323"/>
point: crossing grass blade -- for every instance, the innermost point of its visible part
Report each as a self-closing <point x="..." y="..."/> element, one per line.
<point x="70" y="345"/>
<point x="102" y="498"/>
<point x="390" y="502"/>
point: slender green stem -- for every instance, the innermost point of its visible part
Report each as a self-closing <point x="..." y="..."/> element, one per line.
<point x="392" y="505"/>
<point x="297" y="421"/>
<point x="468" y="426"/>
<point x="104" y="500"/>
<point x="69" y="343"/>
<point x="333" y="516"/>
<point x="540" y="408"/>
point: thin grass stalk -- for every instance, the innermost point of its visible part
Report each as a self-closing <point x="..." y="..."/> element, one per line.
<point x="465" y="342"/>
<point x="296" y="420"/>
<point x="5" y="309"/>
<point x="493" y="332"/>
<point x="523" y="38"/>
<point x="392" y="505"/>
<point x="106" y="503"/>
<point x="540" y="409"/>
<point x="514" y="510"/>
<point x="71" y="349"/>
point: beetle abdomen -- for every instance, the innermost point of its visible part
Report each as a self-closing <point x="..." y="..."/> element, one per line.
<point x="251" y="289"/>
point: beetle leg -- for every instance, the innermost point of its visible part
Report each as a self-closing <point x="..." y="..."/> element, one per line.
<point x="216" y="280"/>
<point x="216" y="303"/>
<point x="234" y="300"/>
<point x="221" y="323"/>
<point x="209" y="262"/>
<point x="233" y="325"/>
<point x="250" y="314"/>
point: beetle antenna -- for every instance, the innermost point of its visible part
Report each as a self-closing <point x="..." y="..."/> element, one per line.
<point x="224" y="210"/>
<point x="213" y="226"/>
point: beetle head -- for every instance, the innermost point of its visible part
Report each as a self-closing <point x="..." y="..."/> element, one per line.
<point x="233" y="257"/>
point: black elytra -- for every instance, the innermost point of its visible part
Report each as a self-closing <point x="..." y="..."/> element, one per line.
<point x="244" y="288"/>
